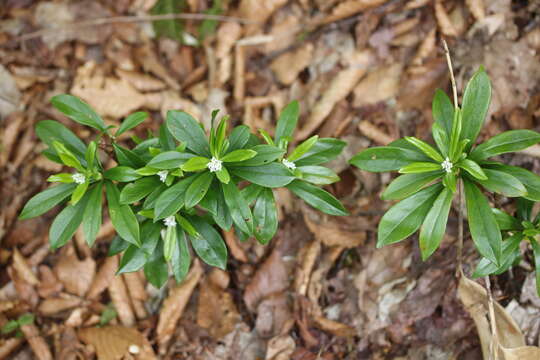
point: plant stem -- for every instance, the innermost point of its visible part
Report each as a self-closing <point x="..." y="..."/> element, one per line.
<point x="452" y="79"/>
<point x="460" y="229"/>
<point x="493" y="348"/>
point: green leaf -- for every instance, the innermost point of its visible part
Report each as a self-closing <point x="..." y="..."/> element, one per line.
<point x="434" y="225"/>
<point x="324" y="150"/>
<point x="450" y="181"/>
<point x="122" y="217"/>
<point x="271" y="175"/>
<point x="198" y="188"/>
<point x="46" y="200"/>
<point x="77" y="110"/>
<point x="196" y="163"/>
<point x="117" y="246"/>
<point x="181" y="259"/>
<point x="265" y="216"/>
<point x="510" y="250"/>
<point x="502" y="183"/>
<point x="408" y="184"/>
<point x="287" y="121"/>
<point x="137" y="190"/>
<point x="223" y="175"/>
<point x="303" y="148"/>
<point x="121" y="174"/>
<point x="425" y="148"/>
<point x="443" y="111"/>
<point x="482" y="224"/>
<point x="524" y="209"/>
<point x="536" y="252"/>
<point x="169" y="243"/>
<point x="172" y="199"/>
<point x="166" y="140"/>
<point x="420" y="167"/>
<point x="530" y="180"/>
<point x="214" y="203"/>
<point x="251" y="192"/>
<point x="127" y="157"/>
<point x="473" y="169"/>
<point x="156" y="269"/>
<point x="208" y="26"/>
<point x="67" y="157"/>
<point x="208" y="245"/>
<point x="318" y="175"/>
<point x="90" y="155"/>
<point x="239" y="155"/>
<point x="131" y="121"/>
<point x="10" y="326"/>
<point x="107" y="315"/>
<point x="386" y="158"/>
<point x="238" y="207"/>
<point x="186" y="129"/>
<point x="505" y="221"/>
<point x="265" y="155"/>
<point x="78" y="193"/>
<point x="508" y="141"/>
<point x="65" y="178"/>
<point x="455" y="142"/>
<point x="239" y="137"/>
<point x="151" y="199"/>
<point x="26" y="319"/>
<point x="49" y="131"/>
<point x="476" y="99"/>
<point x="441" y="138"/>
<point x="171" y="28"/>
<point x="92" y="214"/>
<point x="169" y="160"/>
<point x="318" y="198"/>
<point x="66" y="223"/>
<point x="405" y="217"/>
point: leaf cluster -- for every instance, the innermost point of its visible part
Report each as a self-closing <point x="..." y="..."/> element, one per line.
<point x="170" y="190"/>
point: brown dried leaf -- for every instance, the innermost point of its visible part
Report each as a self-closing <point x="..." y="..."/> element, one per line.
<point x="37" y="343"/>
<point x="374" y="133"/>
<point x="227" y="35"/>
<point x="54" y="305"/>
<point x="121" y="300"/>
<point x="104" y="277"/>
<point x="8" y="346"/>
<point x="288" y="65"/>
<point x="379" y="85"/>
<point x="350" y="8"/>
<point x="274" y="316"/>
<point x="76" y="275"/>
<point x="417" y="89"/>
<point x="334" y="327"/>
<point x="280" y="348"/>
<point x="443" y="19"/>
<point x="9" y="93"/>
<point x="48" y="284"/>
<point x="115" y="342"/>
<point x="258" y="11"/>
<point x="147" y="55"/>
<point x="476" y="7"/>
<point x="308" y="255"/>
<point x="232" y="243"/>
<point x="140" y="81"/>
<point x="174" y="305"/>
<point x="333" y="231"/>
<point x="24" y="271"/>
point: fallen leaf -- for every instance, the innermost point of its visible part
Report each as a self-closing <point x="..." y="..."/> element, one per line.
<point x="54" y="305"/>
<point x="258" y="12"/>
<point x="280" y="348"/>
<point x="21" y="266"/>
<point x="76" y="275"/>
<point x="121" y="300"/>
<point x="10" y="96"/>
<point x="242" y="343"/>
<point x="379" y="85"/>
<point x="104" y="277"/>
<point x="351" y="7"/>
<point x="288" y="65"/>
<point x="37" y="343"/>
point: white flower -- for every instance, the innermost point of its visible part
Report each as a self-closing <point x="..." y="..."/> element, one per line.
<point x="78" y="178"/>
<point x="162" y="175"/>
<point x="214" y="165"/>
<point x="447" y="165"/>
<point x="289" y="164"/>
<point x="169" y="221"/>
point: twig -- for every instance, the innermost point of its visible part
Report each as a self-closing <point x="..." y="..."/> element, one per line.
<point x="129" y="19"/>
<point x="452" y="79"/>
<point x="493" y="345"/>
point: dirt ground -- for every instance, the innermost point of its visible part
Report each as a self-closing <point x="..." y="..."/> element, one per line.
<point x="363" y="71"/>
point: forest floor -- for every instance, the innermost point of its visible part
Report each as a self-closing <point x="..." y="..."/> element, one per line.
<point x="363" y="70"/>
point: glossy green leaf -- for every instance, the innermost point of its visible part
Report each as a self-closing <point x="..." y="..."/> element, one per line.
<point x="171" y="200"/>
<point x="530" y="180"/>
<point x="138" y="189"/>
<point x="441" y="138"/>
<point x="151" y="199"/>
<point x="46" y="200"/>
<point x="67" y="157"/>
<point x="405" y="217"/>
<point x="508" y="141"/>
<point x="502" y="183"/>
<point x="536" y="252"/>
<point x="318" y="175"/>
<point x="198" y="188"/>
<point x="122" y="217"/>
<point x="169" y="242"/>
<point x="317" y="198"/>
<point x="271" y="175"/>
<point x="121" y="174"/>
<point x="476" y="99"/>
<point x="90" y="155"/>
<point x="65" y="178"/>
<point x="420" y="167"/>
<point x="156" y="269"/>
<point x="450" y="181"/>
<point x="196" y="163"/>
<point x="408" y="184"/>
<point x="386" y="158"/>
<point x="303" y="148"/>
<point x="482" y="224"/>
<point x="510" y="250"/>
<point x="127" y="157"/>
<point x="238" y="207"/>
<point x="223" y="175"/>
<point x="324" y="150"/>
<point x="473" y="169"/>
<point x="506" y="221"/>
<point x="287" y="121"/>
<point x="186" y="129"/>
<point x="117" y="246"/>
<point x="92" y="213"/>
<point x="131" y="121"/>
<point x="239" y="137"/>
<point x="49" y="131"/>
<point x="134" y="257"/>
<point x="181" y="259"/>
<point x="169" y="160"/>
<point x="425" y="148"/>
<point x="66" y="223"/>
<point x="209" y="245"/>
<point x="443" y="111"/>
<point x="239" y="155"/>
<point x="265" y="155"/>
<point x="434" y="225"/>
<point x="79" y="192"/>
<point x="265" y="216"/>
<point x="524" y="209"/>
<point x="77" y="110"/>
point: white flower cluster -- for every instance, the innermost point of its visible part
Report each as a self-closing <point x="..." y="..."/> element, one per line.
<point x="214" y="165"/>
<point x="447" y="165"/>
<point x="163" y="175"/>
<point x="78" y="178"/>
<point x="289" y="164"/>
<point x="169" y="221"/>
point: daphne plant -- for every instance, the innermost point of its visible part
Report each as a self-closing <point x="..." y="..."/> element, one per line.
<point x="170" y="191"/>
<point x="431" y="174"/>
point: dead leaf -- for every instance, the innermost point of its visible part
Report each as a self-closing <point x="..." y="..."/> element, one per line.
<point x="232" y="243"/>
<point x="141" y="82"/>
<point x="476" y="7"/>
<point x="9" y="93"/>
<point x="288" y="65"/>
<point x="37" y="343"/>
<point x="242" y="343"/>
<point x="372" y="132"/>
<point x="227" y="35"/>
<point x="121" y="300"/>
<point x="351" y="7"/>
<point x="443" y="19"/>
<point x="54" y="305"/>
<point x="417" y="88"/>
<point x="258" y="11"/>
<point x="274" y="316"/>
<point x="174" y="305"/>
<point x="333" y="231"/>
<point x="103" y="277"/>
<point x="150" y="62"/>
<point x="280" y="348"/>
<point x="334" y="327"/>
<point x="24" y="271"/>
<point x="76" y="275"/>
<point x="8" y="346"/>
<point x="379" y="85"/>
<point x="115" y="342"/>
<point x="308" y="255"/>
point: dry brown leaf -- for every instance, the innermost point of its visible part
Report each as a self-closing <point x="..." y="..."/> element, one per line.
<point x="140" y="81"/>
<point x="340" y="86"/>
<point x="476" y="7"/>
<point x="374" y="133"/>
<point x="418" y="87"/>
<point x="21" y="266"/>
<point x="25" y="291"/>
<point x="54" y="305"/>
<point x="11" y="129"/>
<point x="9" y="93"/>
<point x="308" y="255"/>
<point x="115" y="342"/>
<point x="70" y="347"/>
<point x="121" y="300"/>
<point x="280" y="348"/>
<point x="274" y="316"/>
<point x="288" y="65"/>
<point x="227" y="35"/>
<point x="511" y="341"/>
<point x="75" y="275"/>
<point x="104" y="277"/>
<point x="7" y="346"/>
<point x="258" y="11"/>
<point x="334" y="327"/>
<point x="137" y="293"/>
<point x="283" y="31"/>
<point x="443" y="19"/>
<point x="426" y="48"/>
<point x="48" y="284"/>
<point x="415" y="4"/>
<point x="350" y="8"/>
<point x="232" y="243"/>
<point x="37" y="343"/>
<point x="147" y="55"/>
<point x="174" y="305"/>
<point x="332" y="231"/>
<point x="379" y="85"/>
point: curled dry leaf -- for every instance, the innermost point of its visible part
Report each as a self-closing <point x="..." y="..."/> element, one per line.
<point x="54" y="305"/>
<point x="37" y="343"/>
<point x="340" y="86"/>
<point x="351" y="7"/>
<point x="121" y="300"/>
<point x="334" y="327"/>
<point x="288" y="65"/>
<point x="141" y="82"/>
<point x="8" y="346"/>
<point x="115" y="342"/>
<point x="308" y="255"/>
<point x="280" y="348"/>
<point x="258" y="12"/>
<point x="104" y="277"/>
<point x="227" y="35"/>
<point x="21" y="266"/>
<point x="76" y="275"/>
<point x="174" y="305"/>
<point x="379" y="85"/>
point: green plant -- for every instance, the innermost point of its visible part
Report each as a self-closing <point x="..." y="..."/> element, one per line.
<point x="168" y="191"/>
<point x="431" y="174"/>
<point x="15" y="325"/>
<point x="524" y="226"/>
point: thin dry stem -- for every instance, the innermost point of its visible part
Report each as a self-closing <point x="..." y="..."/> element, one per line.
<point x="452" y="79"/>
<point x="493" y="346"/>
<point x="460" y="228"/>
